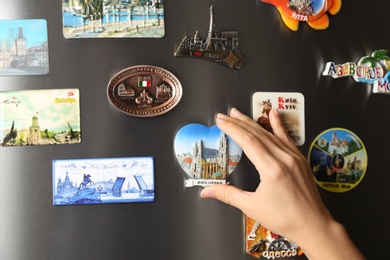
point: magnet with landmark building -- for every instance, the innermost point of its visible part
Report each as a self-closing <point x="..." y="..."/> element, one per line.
<point x="221" y="48"/>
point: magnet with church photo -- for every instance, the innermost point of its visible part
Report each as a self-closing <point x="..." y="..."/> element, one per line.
<point x="206" y="154"/>
<point x="40" y="117"/>
<point x="24" y="48"/>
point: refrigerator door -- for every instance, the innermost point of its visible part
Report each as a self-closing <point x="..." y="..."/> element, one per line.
<point x="178" y="224"/>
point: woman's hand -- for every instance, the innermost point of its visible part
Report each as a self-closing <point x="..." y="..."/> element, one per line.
<point x="286" y="201"/>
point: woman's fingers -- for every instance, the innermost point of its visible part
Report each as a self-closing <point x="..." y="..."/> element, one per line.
<point x="252" y="141"/>
<point x="260" y="146"/>
<point x="277" y="127"/>
<point x="279" y="130"/>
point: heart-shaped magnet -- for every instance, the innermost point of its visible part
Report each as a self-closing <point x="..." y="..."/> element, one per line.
<point x="206" y="154"/>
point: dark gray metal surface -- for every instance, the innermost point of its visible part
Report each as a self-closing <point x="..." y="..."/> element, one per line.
<point x="180" y="225"/>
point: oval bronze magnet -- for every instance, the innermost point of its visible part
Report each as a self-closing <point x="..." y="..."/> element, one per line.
<point x="144" y="91"/>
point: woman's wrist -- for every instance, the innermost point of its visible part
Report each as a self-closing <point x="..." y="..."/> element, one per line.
<point x="331" y="242"/>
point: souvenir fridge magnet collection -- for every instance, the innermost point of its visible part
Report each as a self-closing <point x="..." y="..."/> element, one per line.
<point x="144" y="91"/>
<point x="373" y="69"/>
<point x="103" y="180"/>
<point x="291" y="106"/>
<point x="338" y="159"/>
<point x="221" y="48"/>
<point x="206" y="154"/>
<point x="24" y="47"/>
<point x="311" y="11"/>
<point x="113" y="19"/>
<point x="40" y="117"/>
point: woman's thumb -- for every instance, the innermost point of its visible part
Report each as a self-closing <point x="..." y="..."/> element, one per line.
<point x="227" y="194"/>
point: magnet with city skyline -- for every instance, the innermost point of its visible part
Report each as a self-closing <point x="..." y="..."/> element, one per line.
<point x="103" y="180"/>
<point x="24" y="47"/>
<point x="206" y="154"/>
<point x="40" y="117"/>
<point x="113" y="19"/>
<point x="218" y="47"/>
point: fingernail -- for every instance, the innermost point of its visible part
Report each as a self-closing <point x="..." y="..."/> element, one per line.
<point x="207" y="193"/>
<point x="234" y="112"/>
<point x="220" y="118"/>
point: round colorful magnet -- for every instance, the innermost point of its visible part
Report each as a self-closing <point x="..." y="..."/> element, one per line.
<point x="311" y="11"/>
<point x="206" y="155"/>
<point x="144" y="91"/>
<point x="338" y="159"/>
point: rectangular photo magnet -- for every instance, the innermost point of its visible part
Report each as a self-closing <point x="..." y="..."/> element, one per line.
<point x="40" y="117"/>
<point x="103" y="180"/>
<point x="24" y="48"/>
<point x="291" y="106"/>
<point x="113" y="19"/>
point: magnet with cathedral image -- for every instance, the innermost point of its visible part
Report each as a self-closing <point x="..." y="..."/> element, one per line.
<point x="40" y="117"/>
<point x="206" y="154"/>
